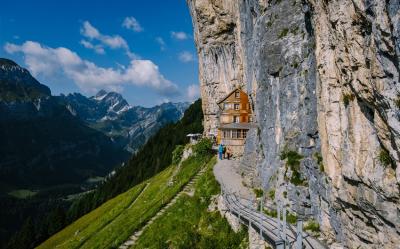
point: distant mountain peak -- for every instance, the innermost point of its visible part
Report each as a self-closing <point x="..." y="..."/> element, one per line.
<point x="7" y="62"/>
<point x="17" y="84"/>
<point x="100" y="95"/>
<point x="114" y="102"/>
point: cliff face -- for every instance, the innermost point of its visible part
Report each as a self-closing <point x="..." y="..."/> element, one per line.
<point x="323" y="77"/>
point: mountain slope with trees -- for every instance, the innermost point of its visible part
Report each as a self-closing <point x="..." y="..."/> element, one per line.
<point x="152" y="158"/>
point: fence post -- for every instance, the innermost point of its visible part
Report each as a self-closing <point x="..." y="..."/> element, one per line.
<point x="284" y="223"/>
<point x="279" y="219"/>
<point x="299" y="239"/>
<point x="261" y="211"/>
<point x="280" y="244"/>
<point x="250" y="207"/>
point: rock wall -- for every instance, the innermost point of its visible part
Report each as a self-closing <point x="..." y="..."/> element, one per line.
<point x="323" y="78"/>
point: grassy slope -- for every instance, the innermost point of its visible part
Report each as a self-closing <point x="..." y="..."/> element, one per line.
<point x="73" y="235"/>
<point x="112" y="223"/>
<point x="189" y="224"/>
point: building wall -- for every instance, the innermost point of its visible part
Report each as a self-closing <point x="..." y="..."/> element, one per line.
<point x="228" y="111"/>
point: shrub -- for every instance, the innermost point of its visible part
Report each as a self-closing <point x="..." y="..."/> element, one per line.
<point x="283" y="33"/>
<point x="177" y="154"/>
<point x="258" y="192"/>
<point x="273" y="213"/>
<point x="271" y="194"/>
<point x="347" y="98"/>
<point x="397" y="101"/>
<point x="296" y="179"/>
<point x="203" y="147"/>
<point x="293" y="158"/>
<point x="293" y="161"/>
<point x="318" y="158"/>
<point x="291" y="217"/>
<point x="312" y="226"/>
<point x="385" y="158"/>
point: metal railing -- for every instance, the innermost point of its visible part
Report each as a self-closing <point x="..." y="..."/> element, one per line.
<point x="273" y="230"/>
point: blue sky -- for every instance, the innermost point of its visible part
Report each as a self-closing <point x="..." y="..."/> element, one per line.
<point x="142" y="49"/>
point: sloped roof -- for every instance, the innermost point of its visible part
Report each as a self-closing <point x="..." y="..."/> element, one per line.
<point x="229" y="94"/>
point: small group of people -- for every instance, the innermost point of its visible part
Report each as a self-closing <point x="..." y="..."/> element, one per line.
<point x="224" y="152"/>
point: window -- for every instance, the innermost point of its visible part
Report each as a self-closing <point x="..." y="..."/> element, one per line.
<point x="227" y="134"/>
<point x="234" y="134"/>
<point x="239" y="134"/>
<point x="237" y="94"/>
<point x="236" y="107"/>
<point x="244" y="135"/>
<point x="236" y="119"/>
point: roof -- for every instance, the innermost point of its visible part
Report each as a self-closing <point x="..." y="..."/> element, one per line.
<point x="229" y="94"/>
<point x="237" y="126"/>
<point x="194" y="135"/>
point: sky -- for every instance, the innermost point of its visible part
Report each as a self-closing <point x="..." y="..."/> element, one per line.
<point x="142" y="49"/>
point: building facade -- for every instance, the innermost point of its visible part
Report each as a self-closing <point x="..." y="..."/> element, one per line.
<point x="235" y="118"/>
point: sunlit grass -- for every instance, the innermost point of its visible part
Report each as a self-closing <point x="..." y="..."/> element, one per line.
<point x="189" y="223"/>
<point x="112" y="223"/>
<point x="22" y="193"/>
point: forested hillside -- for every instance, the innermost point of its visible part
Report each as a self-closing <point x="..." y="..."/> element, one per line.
<point x="154" y="157"/>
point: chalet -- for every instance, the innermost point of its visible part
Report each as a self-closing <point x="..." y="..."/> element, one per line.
<point x="235" y="118"/>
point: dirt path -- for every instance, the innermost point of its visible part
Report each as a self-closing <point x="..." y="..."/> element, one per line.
<point x="226" y="173"/>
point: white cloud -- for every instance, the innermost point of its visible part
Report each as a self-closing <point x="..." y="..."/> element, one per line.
<point x="113" y="42"/>
<point x="99" y="49"/>
<point x="161" y="42"/>
<point x="186" y="56"/>
<point x="193" y="92"/>
<point x="132" y="24"/>
<point x="179" y="35"/>
<point x="89" y="77"/>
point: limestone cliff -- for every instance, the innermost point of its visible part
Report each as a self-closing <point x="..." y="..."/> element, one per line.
<point x="323" y="77"/>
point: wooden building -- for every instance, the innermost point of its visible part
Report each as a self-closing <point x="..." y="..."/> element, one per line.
<point x="235" y="118"/>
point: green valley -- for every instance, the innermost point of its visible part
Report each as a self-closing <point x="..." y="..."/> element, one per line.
<point x="111" y="224"/>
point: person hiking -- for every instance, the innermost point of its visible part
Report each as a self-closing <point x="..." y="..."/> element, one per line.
<point x="228" y="153"/>
<point x="224" y="150"/>
<point x="220" y="151"/>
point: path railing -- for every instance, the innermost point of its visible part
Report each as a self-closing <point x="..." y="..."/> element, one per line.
<point x="276" y="232"/>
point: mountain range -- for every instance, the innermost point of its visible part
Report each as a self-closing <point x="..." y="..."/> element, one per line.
<point x="128" y="126"/>
<point x="98" y="133"/>
<point x="34" y="151"/>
